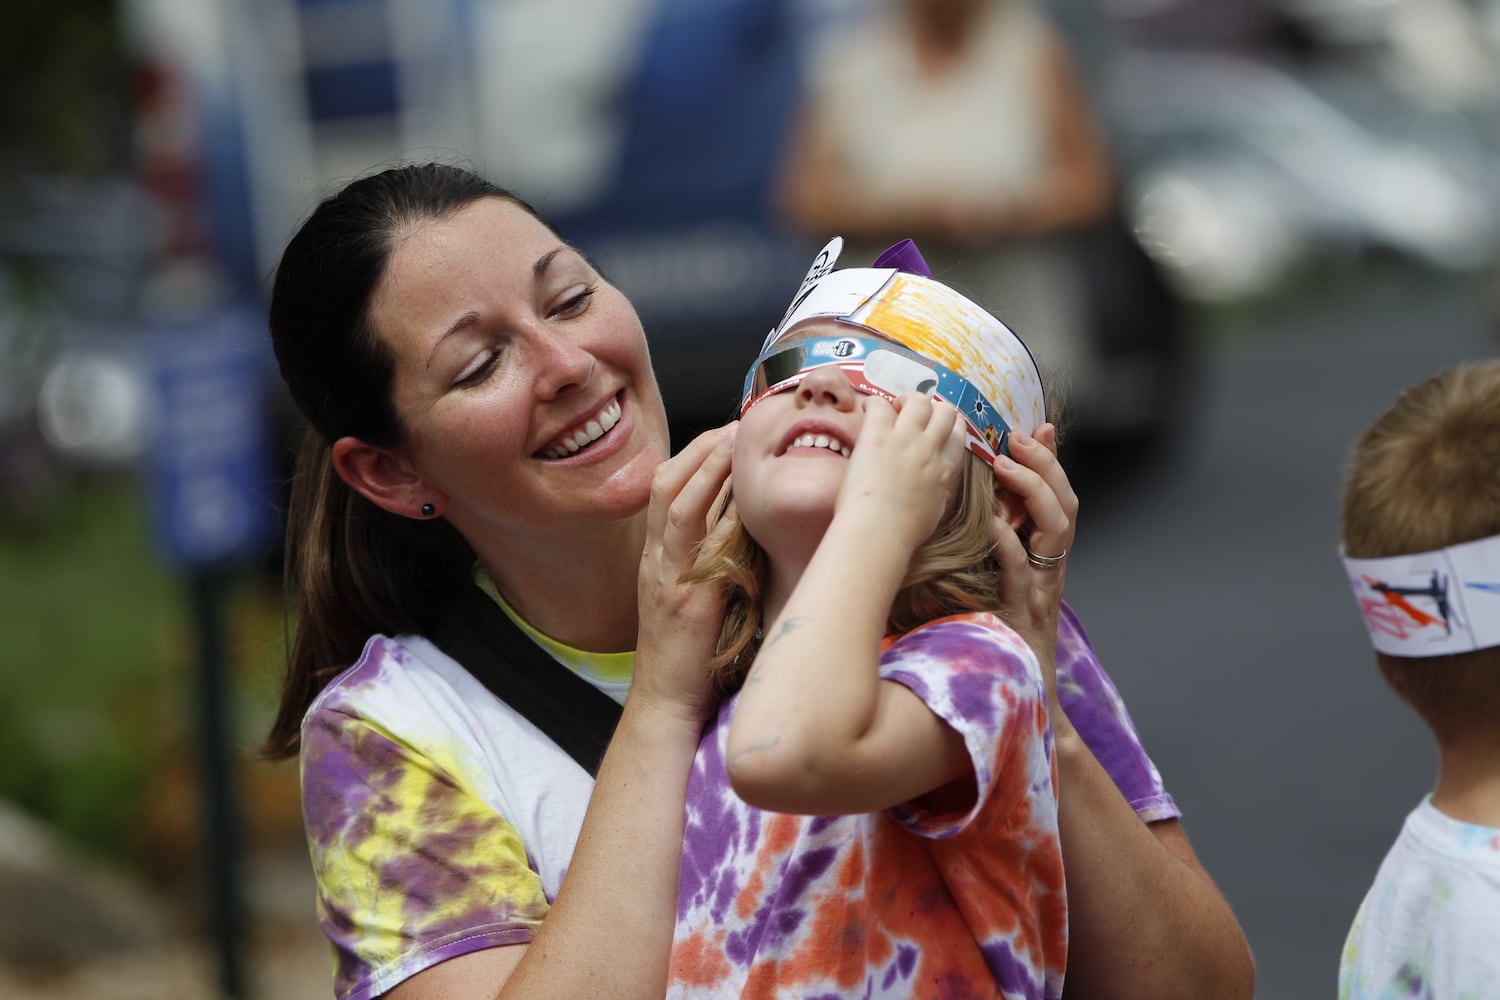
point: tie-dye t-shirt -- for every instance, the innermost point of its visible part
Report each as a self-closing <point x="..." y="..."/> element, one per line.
<point x="1429" y="928"/>
<point x="440" y="822"/>
<point x="897" y="903"/>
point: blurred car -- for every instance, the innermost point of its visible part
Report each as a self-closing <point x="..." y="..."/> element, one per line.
<point x="1240" y="174"/>
<point x="683" y="223"/>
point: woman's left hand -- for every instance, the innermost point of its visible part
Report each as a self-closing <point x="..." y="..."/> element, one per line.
<point x="679" y="622"/>
<point x="1031" y="593"/>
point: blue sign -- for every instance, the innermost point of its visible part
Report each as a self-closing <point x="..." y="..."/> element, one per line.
<point x="210" y="468"/>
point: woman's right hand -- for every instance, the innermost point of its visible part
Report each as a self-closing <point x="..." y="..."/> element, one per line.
<point x="679" y="622"/>
<point x="1032" y="596"/>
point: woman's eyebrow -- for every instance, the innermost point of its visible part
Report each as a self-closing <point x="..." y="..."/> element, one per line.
<point x="471" y="318"/>
<point x="468" y="319"/>
<point x="539" y="269"/>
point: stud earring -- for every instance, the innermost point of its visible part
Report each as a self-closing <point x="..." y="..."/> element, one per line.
<point x="428" y="510"/>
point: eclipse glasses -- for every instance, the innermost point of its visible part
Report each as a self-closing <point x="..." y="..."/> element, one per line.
<point x="879" y="368"/>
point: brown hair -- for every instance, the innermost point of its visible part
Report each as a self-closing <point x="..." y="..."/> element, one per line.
<point x="355" y="569"/>
<point x="1424" y="476"/>
<point x="954" y="571"/>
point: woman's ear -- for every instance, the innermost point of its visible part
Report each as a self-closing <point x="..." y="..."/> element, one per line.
<point x="384" y="478"/>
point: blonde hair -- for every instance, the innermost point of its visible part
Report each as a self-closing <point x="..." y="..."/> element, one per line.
<point x="1424" y="476"/>
<point x="954" y="571"/>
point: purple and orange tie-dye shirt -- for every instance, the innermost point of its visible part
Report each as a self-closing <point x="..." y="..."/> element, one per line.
<point x="898" y="903"/>
<point x="439" y="822"/>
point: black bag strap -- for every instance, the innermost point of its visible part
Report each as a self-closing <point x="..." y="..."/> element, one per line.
<point x="574" y="714"/>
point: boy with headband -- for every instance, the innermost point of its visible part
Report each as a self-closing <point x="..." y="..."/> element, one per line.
<point x="873" y="812"/>
<point x="1421" y="545"/>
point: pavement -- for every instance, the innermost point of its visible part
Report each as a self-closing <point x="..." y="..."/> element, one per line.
<point x="72" y="929"/>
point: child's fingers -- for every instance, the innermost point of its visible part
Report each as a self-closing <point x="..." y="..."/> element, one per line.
<point x="935" y="418"/>
<point x="958" y="434"/>
<point x="913" y="409"/>
<point x="879" y="414"/>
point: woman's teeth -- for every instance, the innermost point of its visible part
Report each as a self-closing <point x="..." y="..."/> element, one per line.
<point x="820" y="441"/>
<point x="588" y="433"/>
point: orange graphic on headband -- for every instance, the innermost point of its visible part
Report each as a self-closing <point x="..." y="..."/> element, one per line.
<point x="1396" y="597"/>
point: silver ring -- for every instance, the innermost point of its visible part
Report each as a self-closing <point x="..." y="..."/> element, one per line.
<point x="1045" y="562"/>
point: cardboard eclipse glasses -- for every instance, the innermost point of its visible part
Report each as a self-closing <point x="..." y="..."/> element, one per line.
<point x="879" y="368"/>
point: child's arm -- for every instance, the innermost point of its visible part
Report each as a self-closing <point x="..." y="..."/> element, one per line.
<point x="815" y="729"/>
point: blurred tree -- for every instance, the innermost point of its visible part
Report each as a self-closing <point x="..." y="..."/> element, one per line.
<point x="65" y="95"/>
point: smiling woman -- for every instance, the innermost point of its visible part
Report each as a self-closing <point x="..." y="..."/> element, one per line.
<point x="481" y="407"/>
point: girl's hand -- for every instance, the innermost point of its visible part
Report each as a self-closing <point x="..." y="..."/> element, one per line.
<point x="1031" y="596"/>
<point x="904" y="466"/>
<point x="679" y="623"/>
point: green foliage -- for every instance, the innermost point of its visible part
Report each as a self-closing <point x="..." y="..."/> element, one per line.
<point x="65" y="83"/>
<point x="100" y="669"/>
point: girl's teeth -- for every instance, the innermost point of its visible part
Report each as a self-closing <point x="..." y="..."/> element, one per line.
<point x="820" y="441"/>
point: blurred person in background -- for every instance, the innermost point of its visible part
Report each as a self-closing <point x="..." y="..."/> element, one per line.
<point x="963" y="124"/>
<point x="483" y="414"/>
<point x="1421" y="545"/>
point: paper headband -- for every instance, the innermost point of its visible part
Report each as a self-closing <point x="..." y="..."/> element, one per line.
<point x="906" y="306"/>
<point x="1431" y="603"/>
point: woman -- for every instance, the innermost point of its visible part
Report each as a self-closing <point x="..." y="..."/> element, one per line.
<point x="479" y="397"/>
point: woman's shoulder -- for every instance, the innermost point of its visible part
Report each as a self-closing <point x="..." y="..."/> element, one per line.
<point x="408" y="689"/>
<point x="386" y="666"/>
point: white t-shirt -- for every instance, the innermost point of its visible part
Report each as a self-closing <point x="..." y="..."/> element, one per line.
<point x="1430" y="925"/>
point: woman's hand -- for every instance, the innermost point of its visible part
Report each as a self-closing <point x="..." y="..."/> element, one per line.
<point x="679" y="623"/>
<point x="1031" y="595"/>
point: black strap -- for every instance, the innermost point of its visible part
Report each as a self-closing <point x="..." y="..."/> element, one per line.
<point x="574" y="714"/>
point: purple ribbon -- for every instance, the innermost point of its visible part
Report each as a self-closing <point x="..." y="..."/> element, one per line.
<point x="904" y="256"/>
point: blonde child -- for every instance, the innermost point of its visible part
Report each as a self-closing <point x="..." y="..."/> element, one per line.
<point x="1421" y="543"/>
<point x="872" y="813"/>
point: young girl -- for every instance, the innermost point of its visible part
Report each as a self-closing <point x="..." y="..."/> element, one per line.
<point x="872" y="814"/>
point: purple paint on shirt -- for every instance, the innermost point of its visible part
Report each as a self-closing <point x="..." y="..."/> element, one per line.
<point x="902" y="968"/>
<point x="804" y="870"/>
<point x="713" y="830"/>
<point x="1012" y="975"/>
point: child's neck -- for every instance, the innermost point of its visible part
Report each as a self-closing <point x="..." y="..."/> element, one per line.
<point x="778" y="592"/>
<point x="1468" y="787"/>
<point x="785" y="569"/>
